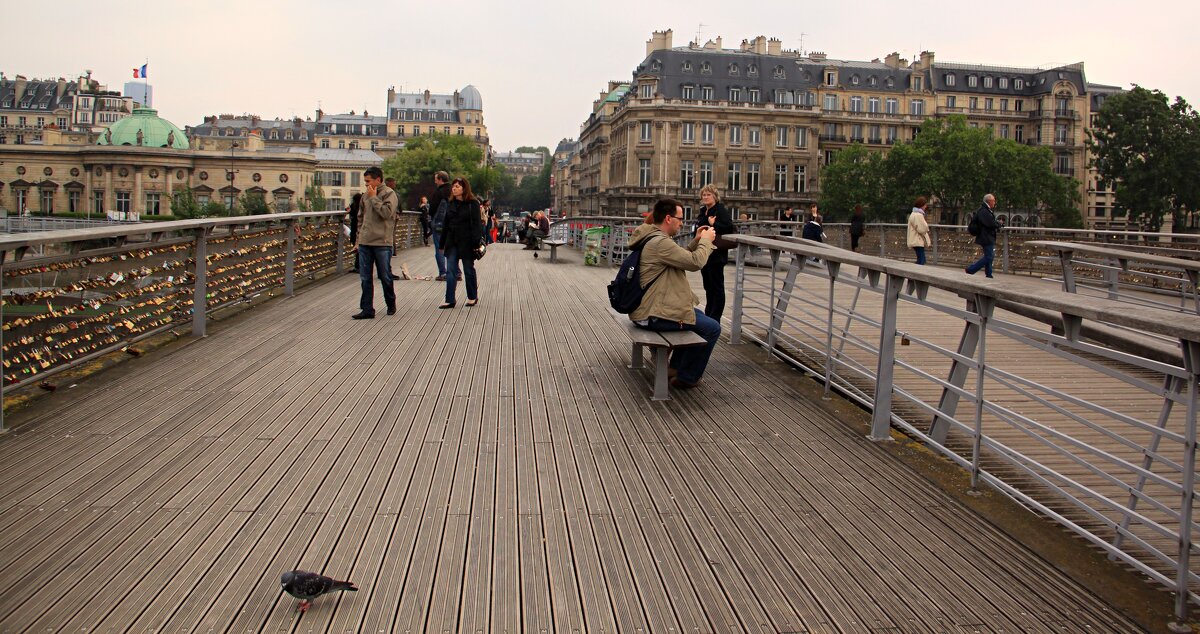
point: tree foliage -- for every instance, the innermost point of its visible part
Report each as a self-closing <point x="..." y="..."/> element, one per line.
<point x="414" y="166"/>
<point x="184" y="205"/>
<point x="314" y="199"/>
<point x="1150" y="149"/>
<point x="252" y="204"/>
<point x="955" y="165"/>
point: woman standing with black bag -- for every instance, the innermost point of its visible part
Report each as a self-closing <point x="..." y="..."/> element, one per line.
<point x="462" y="239"/>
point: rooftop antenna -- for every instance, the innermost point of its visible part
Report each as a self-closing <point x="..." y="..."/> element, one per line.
<point x="699" y="29"/>
<point x="802" y="34"/>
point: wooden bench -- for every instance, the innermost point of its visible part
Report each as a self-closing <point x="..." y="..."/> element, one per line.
<point x="554" y="244"/>
<point x="662" y="343"/>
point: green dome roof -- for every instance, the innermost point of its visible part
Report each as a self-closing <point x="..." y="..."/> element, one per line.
<point x="155" y="131"/>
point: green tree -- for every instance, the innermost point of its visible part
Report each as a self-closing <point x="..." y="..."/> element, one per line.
<point x="1150" y="149"/>
<point x="253" y="204"/>
<point x="855" y="177"/>
<point x="184" y="204"/>
<point x="314" y="199"/>
<point x="214" y="209"/>
<point x="955" y="165"/>
<point x="414" y="166"/>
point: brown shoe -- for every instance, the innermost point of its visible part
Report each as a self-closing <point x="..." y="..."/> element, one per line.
<point x="671" y="372"/>
<point x="683" y="385"/>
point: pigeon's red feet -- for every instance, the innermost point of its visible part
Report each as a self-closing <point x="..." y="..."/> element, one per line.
<point x="303" y="607"/>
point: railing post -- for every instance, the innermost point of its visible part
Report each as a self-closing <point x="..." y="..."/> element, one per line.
<point x="289" y="263"/>
<point x="1004" y="261"/>
<point x="739" y="288"/>
<point x="200" y="292"/>
<point x="3" y="257"/>
<point x="881" y="417"/>
<point x="1191" y="361"/>
<point x="882" y="241"/>
<point x="933" y="246"/>
<point x="984" y="307"/>
<point x="832" y="268"/>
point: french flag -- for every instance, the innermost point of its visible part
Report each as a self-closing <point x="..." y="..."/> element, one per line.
<point x="140" y="73"/>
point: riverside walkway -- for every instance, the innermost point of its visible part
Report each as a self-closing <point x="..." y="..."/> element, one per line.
<point x="486" y="469"/>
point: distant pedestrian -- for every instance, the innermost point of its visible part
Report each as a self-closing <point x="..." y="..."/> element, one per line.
<point x="425" y="220"/>
<point x="461" y="241"/>
<point x="788" y="219"/>
<point x="918" y="229"/>
<point x="713" y="214"/>
<point x="985" y="235"/>
<point x="441" y="180"/>
<point x="858" y="227"/>
<point x="812" y="228"/>
<point x="376" y="228"/>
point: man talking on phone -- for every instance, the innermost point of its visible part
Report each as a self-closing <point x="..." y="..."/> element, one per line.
<point x="376" y="228"/>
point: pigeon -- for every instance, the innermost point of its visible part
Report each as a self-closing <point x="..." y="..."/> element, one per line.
<point x="307" y="586"/>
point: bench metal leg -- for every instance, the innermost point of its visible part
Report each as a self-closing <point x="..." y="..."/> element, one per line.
<point x="553" y="253"/>
<point x="660" y="375"/>
<point x="636" y="363"/>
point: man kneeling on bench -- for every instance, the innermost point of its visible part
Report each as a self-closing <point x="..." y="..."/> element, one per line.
<point x="669" y="303"/>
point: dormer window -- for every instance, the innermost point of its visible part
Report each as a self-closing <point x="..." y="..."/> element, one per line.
<point x="1003" y="83"/>
<point x="889" y="82"/>
<point x="1019" y="83"/>
<point x="872" y="80"/>
<point x="987" y="82"/>
<point x="854" y="80"/>
<point x="918" y="82"/>
<point x="687" y="67"/>
<point x="705" y="68"/>
<point x="752" y="70"/>
<point x="949" y="79"/>
<point x="779" y="73"/>
<point x="645" y="91"/>
<point x="733" y="69"/>
<point x="656" y="66"/>
<point x="830" y="78"/>
<point x="972" y="81"/>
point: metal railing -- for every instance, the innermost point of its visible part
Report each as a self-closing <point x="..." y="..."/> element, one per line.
<point x="1090" y="435"/>
<point x="30" y="224"/>
<point x="72" y="296"/>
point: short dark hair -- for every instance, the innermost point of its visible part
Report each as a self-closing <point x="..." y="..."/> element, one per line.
<point x="665" y="207"/>
<point x="441" y="176"/>
<point x="373" y="172"/>
<point x="921" y="200"/>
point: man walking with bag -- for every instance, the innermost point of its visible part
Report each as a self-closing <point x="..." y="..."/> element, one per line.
<point x="985" y="235"/>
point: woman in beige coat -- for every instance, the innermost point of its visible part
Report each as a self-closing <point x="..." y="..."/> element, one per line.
<point x="918" y="229"/>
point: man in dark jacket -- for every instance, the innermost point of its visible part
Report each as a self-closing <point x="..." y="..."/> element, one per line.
<point x="987" y="236"/>
<point x="812" y="228"/>
<point x="442" y="181"/>
<point x="858" y="227"/>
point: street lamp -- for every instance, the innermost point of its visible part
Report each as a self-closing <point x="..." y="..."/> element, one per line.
<point x="229" y="177"/>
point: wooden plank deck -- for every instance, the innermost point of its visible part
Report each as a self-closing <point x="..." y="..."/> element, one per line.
<point x="484" y="469"/>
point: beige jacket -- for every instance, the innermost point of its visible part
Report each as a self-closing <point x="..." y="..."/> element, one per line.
<point x="664" y="266"/>
<point x="377" y="218"/>
<point x="918" y="230"/>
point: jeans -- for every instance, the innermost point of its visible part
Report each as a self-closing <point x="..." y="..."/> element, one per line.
<point x="985" y="262"/>
<point x="713" y="275"/>
<point x="468" y="269"/>
<point x="690" y="362"/>
<point x="437" y="253"/>
<point x="381" y="259"/>
<point x="920" y="254"/>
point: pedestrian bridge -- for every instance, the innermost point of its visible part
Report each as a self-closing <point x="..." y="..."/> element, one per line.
<point x="498" y="468"/>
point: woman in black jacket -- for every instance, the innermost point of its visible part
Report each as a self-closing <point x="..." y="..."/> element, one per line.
<point x="352" y="211"/>
<point x="714" y="214"/>
<point x="461" y="240"/>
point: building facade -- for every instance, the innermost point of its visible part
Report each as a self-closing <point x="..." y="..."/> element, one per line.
<point x="135" y="166"/>
<point x="760" y="122"/>
<point x="339" y="173"/>
<point x="520" y="164"/>
<point x="220" y="132"/>
<point x="28" y="107"/>
<point x="564" y="193"/>
<point x="459" y="113"/>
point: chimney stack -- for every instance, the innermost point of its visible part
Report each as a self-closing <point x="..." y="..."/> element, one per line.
<point x="774" y="46"/>
<point x="659" y="40"/>
<point x="892" y="60"/>
<point x="19" y="89"/>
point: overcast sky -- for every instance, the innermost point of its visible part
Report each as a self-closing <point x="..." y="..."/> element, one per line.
<point x="539" y="65"/>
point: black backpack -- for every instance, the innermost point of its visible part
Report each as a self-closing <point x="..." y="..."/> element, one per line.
<point x="439" y="217"/>
<point x="625" y="292"/>
<point x="973" y="226"/>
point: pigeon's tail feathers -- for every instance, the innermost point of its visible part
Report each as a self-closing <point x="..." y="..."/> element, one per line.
<point x="344" y="585"/>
